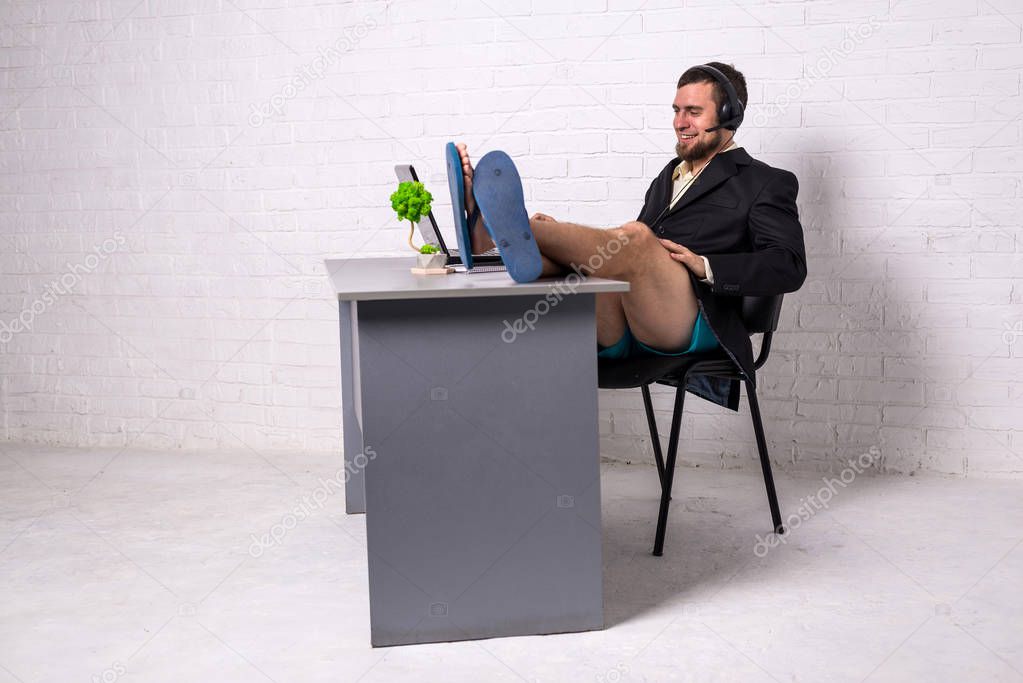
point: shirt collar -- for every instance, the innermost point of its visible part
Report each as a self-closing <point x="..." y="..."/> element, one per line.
<point x="683" y="167"/>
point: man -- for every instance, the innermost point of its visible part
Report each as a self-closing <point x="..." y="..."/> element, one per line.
<point x="716" y="225"/>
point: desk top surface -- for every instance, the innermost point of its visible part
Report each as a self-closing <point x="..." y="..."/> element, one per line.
<point x="369" y="279"/>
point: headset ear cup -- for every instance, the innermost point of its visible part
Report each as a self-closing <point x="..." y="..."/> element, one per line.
<point x="726" y="112"/>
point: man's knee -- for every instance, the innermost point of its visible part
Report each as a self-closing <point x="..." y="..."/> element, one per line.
<point x="636" y="237"/>
<point x="634" y="241"/>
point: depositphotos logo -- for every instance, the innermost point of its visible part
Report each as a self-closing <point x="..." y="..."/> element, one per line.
<point x="310" y="503"/>
<point x="62" y="286"/>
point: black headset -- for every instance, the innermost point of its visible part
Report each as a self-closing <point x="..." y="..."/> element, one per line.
<point x="731" y="111"/>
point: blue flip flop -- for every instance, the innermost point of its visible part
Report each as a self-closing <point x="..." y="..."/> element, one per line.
<point x="456" y="184"/>
<point x="497" y="189"/>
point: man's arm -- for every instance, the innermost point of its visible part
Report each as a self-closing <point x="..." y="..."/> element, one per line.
<point x="778" y="262"/>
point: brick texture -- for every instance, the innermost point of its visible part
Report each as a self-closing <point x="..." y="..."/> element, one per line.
<point x="172" y="175"/>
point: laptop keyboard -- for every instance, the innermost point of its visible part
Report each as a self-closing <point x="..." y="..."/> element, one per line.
<point x="488" y="252"/>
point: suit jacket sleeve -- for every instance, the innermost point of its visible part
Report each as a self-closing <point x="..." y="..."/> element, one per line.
<point x="777" y="263"/>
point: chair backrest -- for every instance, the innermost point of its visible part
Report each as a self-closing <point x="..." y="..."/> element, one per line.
<point x="761" y="313"/>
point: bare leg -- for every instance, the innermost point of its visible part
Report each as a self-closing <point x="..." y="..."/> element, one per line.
<point x="611" y="320"/>
<point x="481" y="240"/>
<point x="551" y="269"/>
<point x="660" y="306"/>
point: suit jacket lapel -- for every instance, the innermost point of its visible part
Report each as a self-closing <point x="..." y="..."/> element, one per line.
<point x="721" y="168"/>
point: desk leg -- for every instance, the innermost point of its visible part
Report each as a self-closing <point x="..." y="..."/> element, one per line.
<point x="355" y="493"/>
<point x="483" y="477"/>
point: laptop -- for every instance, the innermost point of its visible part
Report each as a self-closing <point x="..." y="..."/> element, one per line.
<point x="487" y="262"/>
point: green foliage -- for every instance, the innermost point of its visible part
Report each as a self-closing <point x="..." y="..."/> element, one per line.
<point x="411" y="201"/>
<point x="429" y="249"/>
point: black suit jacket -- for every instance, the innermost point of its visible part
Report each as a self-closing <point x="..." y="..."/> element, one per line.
<point x="741" y="214"/>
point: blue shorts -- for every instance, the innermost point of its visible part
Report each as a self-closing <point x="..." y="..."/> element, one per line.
<point x="628" y="346"/>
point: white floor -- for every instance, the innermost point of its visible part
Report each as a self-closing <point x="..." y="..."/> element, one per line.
<point x="137" y="567"/>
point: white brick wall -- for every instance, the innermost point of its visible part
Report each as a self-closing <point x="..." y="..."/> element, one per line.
<point x="185" y="167"/>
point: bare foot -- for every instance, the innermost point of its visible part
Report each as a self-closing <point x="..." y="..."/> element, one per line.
<point x="480" y="238"/>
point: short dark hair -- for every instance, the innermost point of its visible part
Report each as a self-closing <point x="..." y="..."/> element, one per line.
<point x="738" y="81"/>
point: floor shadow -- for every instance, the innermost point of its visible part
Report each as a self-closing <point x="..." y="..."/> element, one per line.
<point x="711" y="537"/>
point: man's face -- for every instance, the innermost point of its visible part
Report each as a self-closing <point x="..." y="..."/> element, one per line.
<point x="695" y="112"/>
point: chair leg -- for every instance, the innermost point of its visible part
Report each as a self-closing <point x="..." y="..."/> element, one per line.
<point x="655" y="438"/>
<point x="765" y="460"/>
<point x="669" y="468"/>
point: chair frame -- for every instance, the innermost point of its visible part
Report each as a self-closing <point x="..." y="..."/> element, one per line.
<point x="754" y="308"/>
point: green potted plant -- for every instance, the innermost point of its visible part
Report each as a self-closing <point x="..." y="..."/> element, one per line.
<point x="430" y="256"/>
<point x="411" y="201"/>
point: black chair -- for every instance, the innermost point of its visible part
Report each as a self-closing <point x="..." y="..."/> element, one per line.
<point x="759" y="315"/>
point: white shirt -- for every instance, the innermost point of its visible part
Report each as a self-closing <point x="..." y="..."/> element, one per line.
<point x="681" y="180"/>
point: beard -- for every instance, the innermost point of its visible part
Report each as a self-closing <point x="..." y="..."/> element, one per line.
<point x="699" y="149"/>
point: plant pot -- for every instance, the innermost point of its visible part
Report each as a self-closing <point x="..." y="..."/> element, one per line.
<point x="437" y="260"/>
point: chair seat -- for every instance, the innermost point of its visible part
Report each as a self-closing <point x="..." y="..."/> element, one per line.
<point x="629" y="373"/>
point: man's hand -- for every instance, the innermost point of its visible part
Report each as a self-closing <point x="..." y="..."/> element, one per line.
<point x="692" y="261"/>
<point x="543" y="217"/>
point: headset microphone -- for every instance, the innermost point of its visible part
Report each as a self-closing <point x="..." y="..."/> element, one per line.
<point x="719" y="126"/>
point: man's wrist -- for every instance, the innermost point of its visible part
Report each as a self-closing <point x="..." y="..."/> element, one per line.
<point x="709" y="277"/>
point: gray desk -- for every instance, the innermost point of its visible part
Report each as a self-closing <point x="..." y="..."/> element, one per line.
<point x="471" y="444"/>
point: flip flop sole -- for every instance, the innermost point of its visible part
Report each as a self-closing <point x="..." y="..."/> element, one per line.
<point x="456" y="185"/>
<point x="497" y="189"/>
